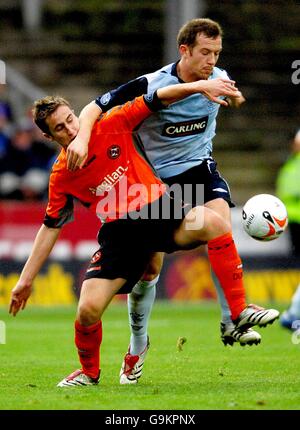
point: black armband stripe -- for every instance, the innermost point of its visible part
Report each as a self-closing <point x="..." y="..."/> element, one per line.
<point x="122" y="94"/>
<point x="153" y="102"/>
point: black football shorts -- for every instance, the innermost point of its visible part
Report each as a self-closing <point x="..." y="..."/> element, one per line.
<point x="126" y="244"/>
<point x="213" y="185"/>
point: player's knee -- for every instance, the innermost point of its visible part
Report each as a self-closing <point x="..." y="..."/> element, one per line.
<point x="88" y="313"/>
<point x="154" y="267"/>
<point x="201" y="225"/>
<point x="222" y="226"/>
<point x="149" y="276"/>
<point x="215" y="225"/>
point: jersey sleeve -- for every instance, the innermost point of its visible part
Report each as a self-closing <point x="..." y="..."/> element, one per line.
<point x="153" y="102"/>
<point x="123" y="94"/>
<point x="60" y="206"/>
<point x="131" y="114"/>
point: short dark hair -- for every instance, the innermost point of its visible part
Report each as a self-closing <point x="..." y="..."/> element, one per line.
<point x="44" y="107"/>
<point x="188" y="32"/>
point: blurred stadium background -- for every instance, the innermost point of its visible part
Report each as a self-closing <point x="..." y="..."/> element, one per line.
<point x="80" y="49"/>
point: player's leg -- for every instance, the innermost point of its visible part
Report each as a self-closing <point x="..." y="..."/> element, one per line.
<point x="218" y="198"/>
<point x="95" y="296"/>
<point x="140" y="302"/>
<point x="215" y="194"/>
<point x="291" y="317"/>
<point x="202" y="224"/>
<point x="229" y="333"/>
<point x="213" y="186"/>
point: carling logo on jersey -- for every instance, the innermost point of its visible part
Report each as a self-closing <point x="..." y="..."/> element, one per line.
<point x="185" y="128"/>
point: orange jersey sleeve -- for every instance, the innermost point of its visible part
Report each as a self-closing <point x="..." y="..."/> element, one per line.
<point x="60" y="206"/>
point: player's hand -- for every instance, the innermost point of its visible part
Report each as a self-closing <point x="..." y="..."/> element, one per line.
<point x="77" y="153"/>
<point x="19" y="297"/>
<point x="214" y="88"/>
<point x="236" y="102"/>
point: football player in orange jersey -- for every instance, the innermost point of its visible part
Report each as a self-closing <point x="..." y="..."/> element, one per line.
<point x="120" y="185"/>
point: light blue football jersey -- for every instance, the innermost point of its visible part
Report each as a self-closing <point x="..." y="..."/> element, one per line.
<point x="178" y="137"/>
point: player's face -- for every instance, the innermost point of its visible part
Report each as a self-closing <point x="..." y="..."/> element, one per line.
<point x="200" y="60"/>
<point x="63" y="125"/>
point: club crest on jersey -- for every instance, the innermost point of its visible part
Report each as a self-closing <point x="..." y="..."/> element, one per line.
<point x="114" y="151"/>
<point x="185" y="128"/>
<point x="105" y="99"/>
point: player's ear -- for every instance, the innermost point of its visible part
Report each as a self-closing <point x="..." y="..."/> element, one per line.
<point x="183" y="50"/>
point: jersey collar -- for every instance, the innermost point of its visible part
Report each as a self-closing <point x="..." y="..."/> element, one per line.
<point x="174" y="72"/>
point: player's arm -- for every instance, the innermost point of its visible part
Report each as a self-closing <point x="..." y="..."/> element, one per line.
<point x="132" y="114"/>
<point x="43" y="244"/>
<point x="77" y="151"/>
<point x="213" y="89"/>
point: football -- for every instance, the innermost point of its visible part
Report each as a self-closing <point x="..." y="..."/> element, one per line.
<point x="264" y="217"/>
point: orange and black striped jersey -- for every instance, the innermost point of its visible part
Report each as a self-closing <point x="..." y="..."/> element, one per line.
<point x="116" y="179"/>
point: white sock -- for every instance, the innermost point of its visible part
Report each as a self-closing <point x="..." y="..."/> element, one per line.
<point x="140" y="302"/>
<point x="294" y="308"/>
<point x="226" y="314"/>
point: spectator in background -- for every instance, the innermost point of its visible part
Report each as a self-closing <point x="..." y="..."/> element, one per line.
<point x="5" y="125"/>
<point x="288" y="190"/>
<point x="24" y="168"/>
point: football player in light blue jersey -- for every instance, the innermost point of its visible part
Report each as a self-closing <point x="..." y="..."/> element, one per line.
<point x="181" y="136"/>
<point x="178" y="142"/>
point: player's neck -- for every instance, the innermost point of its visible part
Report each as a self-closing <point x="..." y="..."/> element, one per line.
<point x="181" y="73"/>
<point x="184" y="73"/>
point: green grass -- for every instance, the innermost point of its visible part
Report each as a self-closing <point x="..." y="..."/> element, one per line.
<point x="205" y="375"/>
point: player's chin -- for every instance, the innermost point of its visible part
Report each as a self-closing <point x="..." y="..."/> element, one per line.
<point x="205" y="74"/>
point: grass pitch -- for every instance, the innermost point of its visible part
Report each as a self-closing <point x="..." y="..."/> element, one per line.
<point x="202" y="375"/>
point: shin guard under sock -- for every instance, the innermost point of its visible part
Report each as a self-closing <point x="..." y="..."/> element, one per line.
<point x="227" y="266"/>
<point x="88" y="340"/>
